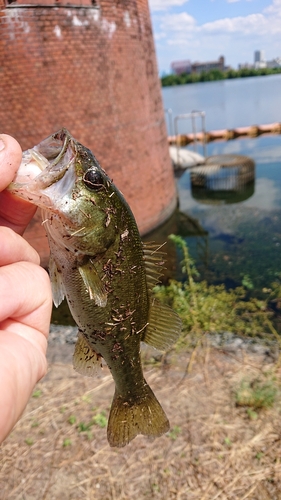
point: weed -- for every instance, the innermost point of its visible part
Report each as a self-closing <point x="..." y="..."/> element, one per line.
<point x="256" y="394"/>
<point x="86" y="398"/>
<point x="212" y="309"/>
<point x="174" y="432"/>
<point x="227" y="441"/>
<point x="29" y="441"/>
<point x="252" y="414"/>
<point x="82" y="427"/>
<point x="66" y="442"/>
<point x="37" y="393"/>
<point x="100" y="419"/>
<point x="72" y="419"/>
<point x="247" y="282"/>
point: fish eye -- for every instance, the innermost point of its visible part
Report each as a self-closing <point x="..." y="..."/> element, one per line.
<point x="93" y="180"/>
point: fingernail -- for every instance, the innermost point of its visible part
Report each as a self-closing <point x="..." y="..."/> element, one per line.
<point x="2" y="144"/>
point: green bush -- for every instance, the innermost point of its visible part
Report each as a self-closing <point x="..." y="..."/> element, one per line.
<point x="212" y="309"/>
<point x="216" y="74"/>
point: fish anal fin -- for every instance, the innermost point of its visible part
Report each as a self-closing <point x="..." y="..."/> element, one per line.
<point x="56" y="282"/>
<point x="164" y="326"/>
<point x="154" y="260"/>
<point x="128" y="419"/>
<point x="85" y="360"/>
<point x="93" y="283"/>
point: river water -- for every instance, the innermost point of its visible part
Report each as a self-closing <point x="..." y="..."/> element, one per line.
<point x="228" y="103"/>
<point x="233" y="241"/>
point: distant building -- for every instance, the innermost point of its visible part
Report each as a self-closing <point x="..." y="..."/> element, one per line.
<point x="179" y="67"/>
<point x="199" y="67"/>
<point x="260" y="62"/>
<point x="245" y="66"/>
<point x="259" y="59"/>
<point x="259" y="56"/>
<point x="275" y="63"/>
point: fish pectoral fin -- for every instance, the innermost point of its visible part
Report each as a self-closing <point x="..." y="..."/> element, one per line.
<point x="93" y="283"/>
<point x="85" y="360"/>
<point x="164" y="326"/>
<point x="56" y="282"/>
<point x="143" y="415"/>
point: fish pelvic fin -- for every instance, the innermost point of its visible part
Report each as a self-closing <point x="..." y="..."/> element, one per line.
<point x="128" y="418"/>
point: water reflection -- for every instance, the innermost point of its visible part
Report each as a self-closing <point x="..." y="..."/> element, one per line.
<point x="241" y="227"/>
<point x="223" y="179"/>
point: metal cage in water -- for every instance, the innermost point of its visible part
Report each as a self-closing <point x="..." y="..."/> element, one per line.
<point x="223" y="179"/>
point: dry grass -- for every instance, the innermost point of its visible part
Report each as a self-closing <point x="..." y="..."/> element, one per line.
<point x="215" y="450"/>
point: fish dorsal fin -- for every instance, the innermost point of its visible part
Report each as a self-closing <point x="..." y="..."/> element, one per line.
<point x="164" y="326"/>
<point x="93" y="283"/>
<point x="56" y="282"/>
<point x="85" y="360"/>
<point x="153" y="260"/>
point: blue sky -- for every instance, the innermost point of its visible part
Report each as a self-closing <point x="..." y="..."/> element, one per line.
<point x="203" y="30"/>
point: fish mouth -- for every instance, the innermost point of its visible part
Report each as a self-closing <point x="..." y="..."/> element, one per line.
<point x="43" y="166"/>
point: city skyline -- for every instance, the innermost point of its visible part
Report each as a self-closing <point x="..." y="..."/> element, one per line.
<point x="202" y="31"/>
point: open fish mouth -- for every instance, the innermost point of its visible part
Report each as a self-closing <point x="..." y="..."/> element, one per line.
<point x="47" y="171"/>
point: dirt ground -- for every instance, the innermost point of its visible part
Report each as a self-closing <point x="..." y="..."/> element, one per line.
<point x="215" y="449"/>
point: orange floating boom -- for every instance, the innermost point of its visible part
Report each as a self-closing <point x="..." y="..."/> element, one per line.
<point x="225" y="134"/>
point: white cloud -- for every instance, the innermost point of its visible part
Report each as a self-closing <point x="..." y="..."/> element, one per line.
<point x="254" y="23"/>
<point x="178" y="22"/>
<point x="180" y="28"/>
<point x="165" y="4"/>
<point x="274" y="8"/>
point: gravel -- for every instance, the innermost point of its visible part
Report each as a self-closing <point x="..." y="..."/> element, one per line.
<point x="226" y="341"/>
<point x="61" y="335"/>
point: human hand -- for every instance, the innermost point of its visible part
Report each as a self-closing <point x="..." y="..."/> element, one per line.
<point x="25" y="299"/>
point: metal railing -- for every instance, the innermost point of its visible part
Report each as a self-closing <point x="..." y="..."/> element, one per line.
<point x="169" y="112"/>
<point x="173" y="127"/>
<point x="193" y="115"/>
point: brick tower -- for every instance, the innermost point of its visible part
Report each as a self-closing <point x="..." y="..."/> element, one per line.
<point x="90" y="66"/>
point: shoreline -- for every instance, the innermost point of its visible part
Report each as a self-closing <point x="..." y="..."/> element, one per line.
<point x="62" y="339"/>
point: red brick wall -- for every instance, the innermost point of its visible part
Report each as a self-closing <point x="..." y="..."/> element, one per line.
<point x="93" y="70"/>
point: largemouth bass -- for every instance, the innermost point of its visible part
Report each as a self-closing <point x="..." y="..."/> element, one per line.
<point x="99" y="263"/>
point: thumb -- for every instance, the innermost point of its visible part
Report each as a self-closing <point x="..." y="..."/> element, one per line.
<point x="10" y="158"/>
<point x="14" y="212"/>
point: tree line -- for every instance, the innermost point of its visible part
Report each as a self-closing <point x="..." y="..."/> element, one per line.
<point x="215" y="74"/>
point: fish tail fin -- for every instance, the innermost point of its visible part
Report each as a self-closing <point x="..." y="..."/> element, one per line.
<point x="127" y="419"/>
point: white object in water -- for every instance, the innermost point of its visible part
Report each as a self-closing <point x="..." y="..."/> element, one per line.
<point x="184" y="158"/>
